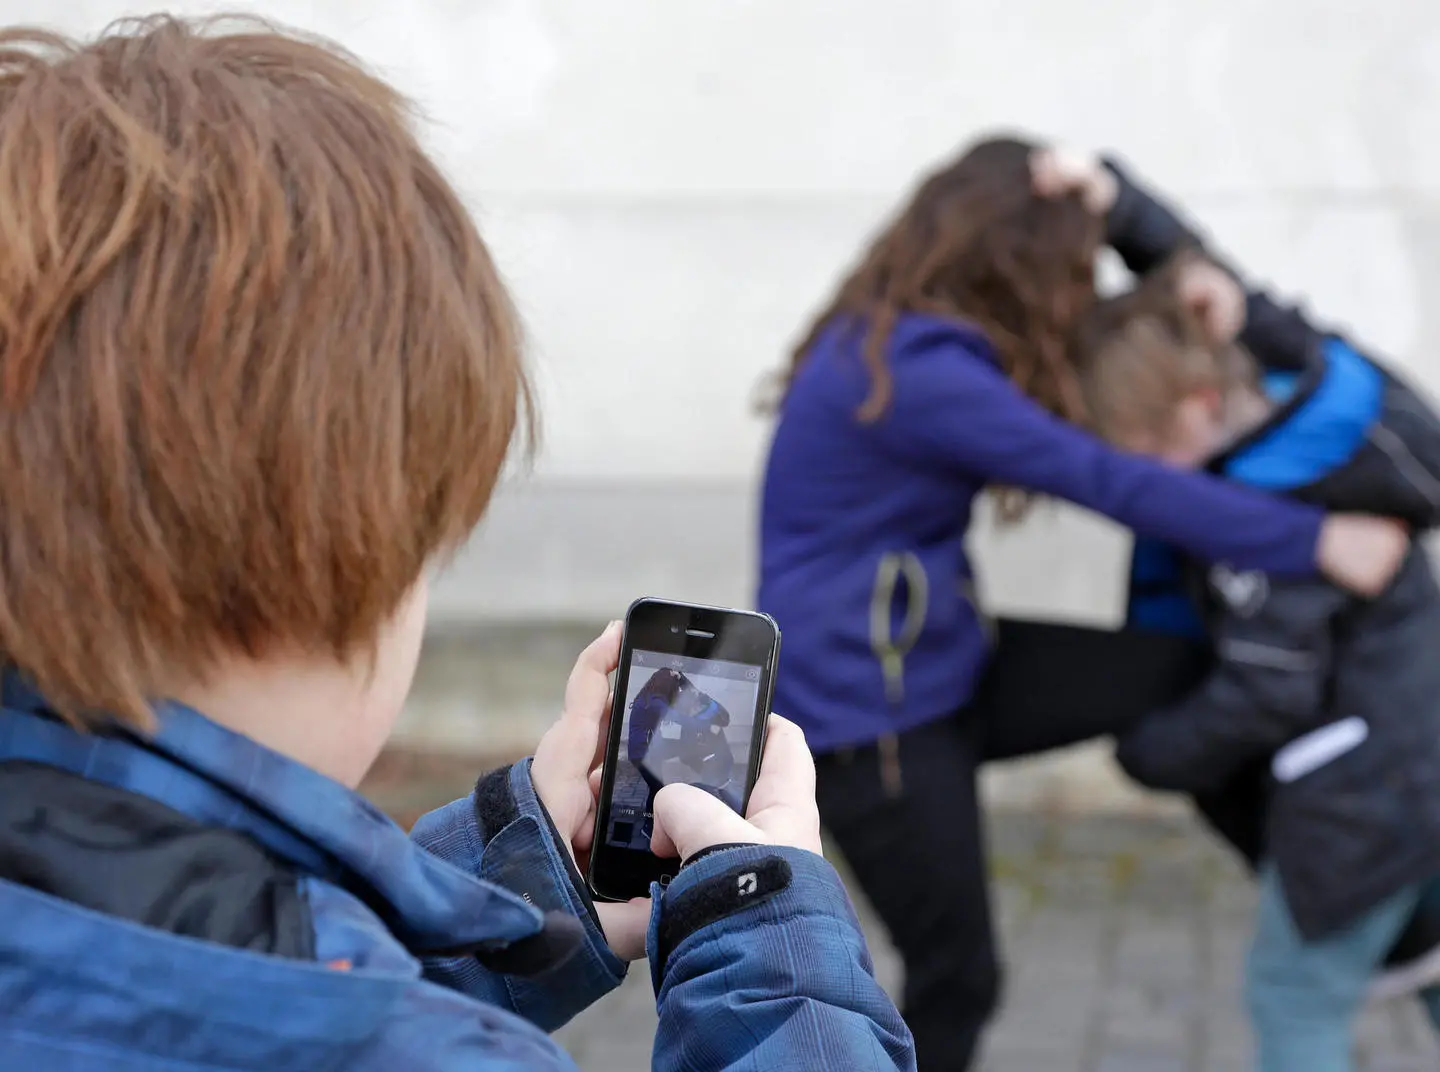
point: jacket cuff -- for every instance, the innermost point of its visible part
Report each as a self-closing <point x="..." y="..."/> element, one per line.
<point x="1120" y="220"/>
<point x="713" y="849"/>
<point x="503" y="834"/>
<point x="739" y="888"/>
<point x="1141" y="228"/>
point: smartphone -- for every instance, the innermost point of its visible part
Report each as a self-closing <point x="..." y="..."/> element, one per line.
<point x="692" y="694"/>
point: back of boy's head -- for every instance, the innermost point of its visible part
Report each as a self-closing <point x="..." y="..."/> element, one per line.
<point x="257" y="369"/>
<point x="1141" y="354"/>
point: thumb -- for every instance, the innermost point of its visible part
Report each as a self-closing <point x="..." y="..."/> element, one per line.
<point x="688" y="819"/>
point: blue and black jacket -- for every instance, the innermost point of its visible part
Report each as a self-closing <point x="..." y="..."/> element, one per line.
<point x="1340" y="695"/>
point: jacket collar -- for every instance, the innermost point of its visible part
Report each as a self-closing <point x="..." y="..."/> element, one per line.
<point x="221" y="778"/>
<point x="1322" y="417"/>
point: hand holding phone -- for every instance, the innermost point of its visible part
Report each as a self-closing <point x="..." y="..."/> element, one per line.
<point x="692" y="695"/>
<point x="562" y="770"/>
<point x="782" y="805"/>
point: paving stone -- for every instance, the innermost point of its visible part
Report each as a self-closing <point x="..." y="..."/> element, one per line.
<point x="1225" y="1063"/>
<point x="1017" y="1051"/>
<point x="1125" y="1058"/>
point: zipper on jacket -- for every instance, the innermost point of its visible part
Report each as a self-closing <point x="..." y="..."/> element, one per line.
<point x="889" y="649"/>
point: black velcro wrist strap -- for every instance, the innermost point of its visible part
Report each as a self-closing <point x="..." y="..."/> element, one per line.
<point x="495" y="806"/>
<point x="713" y="899"/>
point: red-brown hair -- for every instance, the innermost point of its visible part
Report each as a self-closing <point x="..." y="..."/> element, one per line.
<point x="975" y="244"/>
<point x="257" y="369"/>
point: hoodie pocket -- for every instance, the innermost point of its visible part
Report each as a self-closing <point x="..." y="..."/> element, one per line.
<point x="898" y="574"/>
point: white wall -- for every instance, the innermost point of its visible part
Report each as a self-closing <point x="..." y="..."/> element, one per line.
<point x="672" y="184"/>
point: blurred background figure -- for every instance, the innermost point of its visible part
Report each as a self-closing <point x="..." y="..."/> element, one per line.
<point x="673" y="190"/>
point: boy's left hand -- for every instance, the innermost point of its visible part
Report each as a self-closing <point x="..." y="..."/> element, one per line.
<point x="565" y="774"/>
<point x="1214" y="296"/>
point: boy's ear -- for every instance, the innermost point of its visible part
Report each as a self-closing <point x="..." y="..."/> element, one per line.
<point x="1194" y="428"/>
<point x="1212" y="399"/>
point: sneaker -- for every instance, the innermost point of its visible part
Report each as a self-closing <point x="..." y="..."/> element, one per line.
<point x="1414" y="960"/>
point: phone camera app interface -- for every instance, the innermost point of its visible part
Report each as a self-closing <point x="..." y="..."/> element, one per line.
<point x="686" y="720"/>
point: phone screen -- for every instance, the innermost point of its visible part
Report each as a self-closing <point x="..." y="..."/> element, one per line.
<point x="692" y="693"/>
<point x="685" y="720"/>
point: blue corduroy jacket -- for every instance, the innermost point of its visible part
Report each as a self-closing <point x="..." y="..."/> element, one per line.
<point x="191" y="900"/>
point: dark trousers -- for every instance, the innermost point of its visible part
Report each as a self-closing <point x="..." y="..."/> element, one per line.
<point x="1050" y="686"/>
<point x="916" y="847"/>
<point x="905" y="812"/>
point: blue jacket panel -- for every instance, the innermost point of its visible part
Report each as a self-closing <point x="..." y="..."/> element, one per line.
<point x="1160" y="600"/>
<point x="83" y="992"/>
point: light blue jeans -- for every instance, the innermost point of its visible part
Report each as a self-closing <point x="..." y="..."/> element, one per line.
<point x="1304" y="997"/>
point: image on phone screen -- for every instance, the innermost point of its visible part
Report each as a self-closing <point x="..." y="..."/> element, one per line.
<point x="686" y="720"/>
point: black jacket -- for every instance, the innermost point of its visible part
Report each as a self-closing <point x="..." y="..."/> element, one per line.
<point x="1353" y="810"/>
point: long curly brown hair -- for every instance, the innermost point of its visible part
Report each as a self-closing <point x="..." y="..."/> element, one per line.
<point x="975" y="244"/>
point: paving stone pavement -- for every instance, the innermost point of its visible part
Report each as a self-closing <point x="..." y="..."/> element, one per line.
<point x="1124" y="938"/>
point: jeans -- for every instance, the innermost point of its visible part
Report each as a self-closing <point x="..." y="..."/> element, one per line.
<point x="1303" y="997"/>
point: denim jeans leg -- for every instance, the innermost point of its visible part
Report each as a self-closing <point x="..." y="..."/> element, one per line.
<point x="1303" y="997"/>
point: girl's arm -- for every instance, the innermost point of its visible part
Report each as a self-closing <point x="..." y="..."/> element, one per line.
<point x="953" y="409"/>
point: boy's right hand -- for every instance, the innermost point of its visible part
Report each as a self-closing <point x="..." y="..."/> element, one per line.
<point x="782" y="806"/>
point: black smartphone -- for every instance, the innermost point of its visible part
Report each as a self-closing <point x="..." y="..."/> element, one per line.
<point x="692" y="694"/>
